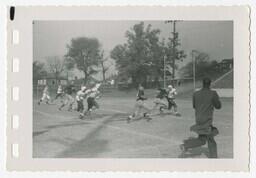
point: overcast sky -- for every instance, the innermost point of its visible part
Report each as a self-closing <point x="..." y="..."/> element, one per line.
<point x="213" y="37"/>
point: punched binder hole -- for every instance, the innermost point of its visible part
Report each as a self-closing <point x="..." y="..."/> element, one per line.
<point x="15" y="93"/>
<point x="15" y="65"/>
<point x="15" y="37"/>
<point x="15" y="150"/>
<point x="15" y="121"/>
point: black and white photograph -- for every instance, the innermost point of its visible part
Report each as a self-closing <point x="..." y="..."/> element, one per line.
<point x="133" y="89"/>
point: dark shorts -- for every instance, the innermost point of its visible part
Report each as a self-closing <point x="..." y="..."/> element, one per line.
<point x="171" y="102"/>
<point x="80" y="106"/>
<point x="91" y="102"/>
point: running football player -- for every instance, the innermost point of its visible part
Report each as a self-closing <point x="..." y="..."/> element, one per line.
<point x="60" y="92"/>
<point x="171" y="93"/>
<point x="140" y="105"/>
<point x="92" y="95"/>
<point x="69" y="100"/>
<point x="45" y="96"/>
<point x="80" y="96"/>
<point x="160" y="100"/>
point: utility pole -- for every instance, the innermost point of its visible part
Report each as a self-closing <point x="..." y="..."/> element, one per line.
<point x="194" y="70"/>
<point x="194" y="66"/>
<point x="173" y="48"/>
<point x="164" y="73"/>
<point x="174" y="45"/>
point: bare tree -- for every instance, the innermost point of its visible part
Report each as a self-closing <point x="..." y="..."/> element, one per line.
<point x="55" y="65"/>
<point x="104" y="66"/>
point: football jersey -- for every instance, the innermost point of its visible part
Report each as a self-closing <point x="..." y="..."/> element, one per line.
<point x="172" y="93"/>
<point x="161" y="94"/>
<point x="80" y="95"/>
<point x="59" y="89"/>
<point x="69" y="90"/>
<point x="93" y="93"/>
<point x="140" y="95"/>
<point x="46" y="91"/>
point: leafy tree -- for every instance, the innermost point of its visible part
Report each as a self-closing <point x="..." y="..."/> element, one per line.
<point x="84" y="54"/>
<point x="203" y="67"/>
<point x="141" y="55"/>
<point x="38" y="70"/>
<point x="156" y="54"/>
<point x="119" y="54"/>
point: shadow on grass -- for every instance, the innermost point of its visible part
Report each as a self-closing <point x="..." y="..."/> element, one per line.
<point x="90" y="146"/>
<point x="66" y="124"/>
<point x="39" y="133"/>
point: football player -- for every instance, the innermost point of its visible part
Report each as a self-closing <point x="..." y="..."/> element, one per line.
<point x="160" y="100"/>
<point x="171" y="93"/>
<point x="60" y="92"/>
<point x="69" y="90"/>
<point x="80" y="96"/>
<point x="140" y="105"/>
<point x="92" y="104"/>
<point x="45" y="96"/>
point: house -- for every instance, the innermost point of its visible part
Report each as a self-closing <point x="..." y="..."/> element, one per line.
<point x="226" y="64"/>
<point x="51" y="80"/>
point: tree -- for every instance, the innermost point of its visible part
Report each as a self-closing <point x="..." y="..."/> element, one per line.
<point x="119" y="54"/>
<point x="173" y="52"/>
<point x="204" y="67"/>
<point x="55" y="66"/>
<point x="103" y="64"/>
<point x="157" y="52"/>
<point x="140" y="55"/>
<point x="84" y="54"/>
<point x="38" y="70"/>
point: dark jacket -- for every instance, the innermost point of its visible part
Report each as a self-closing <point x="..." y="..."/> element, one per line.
<point x="162" y="93"/>
<point x="69" y="89"/>
<point x="204" y="103"/>
<point x="141" y="95"/>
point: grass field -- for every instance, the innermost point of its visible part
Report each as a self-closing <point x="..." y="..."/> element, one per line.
<point x="60" y="134"/>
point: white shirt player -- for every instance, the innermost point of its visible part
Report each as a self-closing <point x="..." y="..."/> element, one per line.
<point x="94" y="92"/>
<point x="81" y="94"/>
<point x="172" y="92"/>
<point x="46" y="91"/>
<point x="59" y="91"/>
<point x="46" y="94"/>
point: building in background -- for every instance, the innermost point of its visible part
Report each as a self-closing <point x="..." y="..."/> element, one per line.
<point x="226" y="64"/>
<point x="51" y="80"/>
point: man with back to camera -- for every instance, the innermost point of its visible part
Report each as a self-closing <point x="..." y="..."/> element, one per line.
<point x="204" y="102"/>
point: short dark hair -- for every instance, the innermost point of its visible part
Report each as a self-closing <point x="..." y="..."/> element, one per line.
<point x="206" y="82"/>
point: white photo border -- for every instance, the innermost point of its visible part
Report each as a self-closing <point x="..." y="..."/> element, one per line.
<point x="23" y="79"/>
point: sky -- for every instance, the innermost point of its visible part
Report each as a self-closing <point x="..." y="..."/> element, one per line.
<point x="50" y="38"/>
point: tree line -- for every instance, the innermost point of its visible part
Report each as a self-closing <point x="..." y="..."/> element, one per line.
<point x="144" y="54"/>
<point x="83" y="53"/>
<point x="141" y="57"/>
